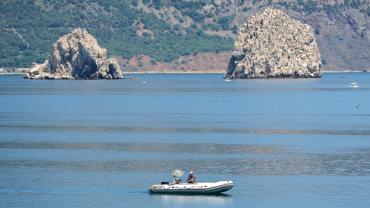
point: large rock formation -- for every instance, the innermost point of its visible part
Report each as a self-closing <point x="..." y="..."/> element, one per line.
<point x="76" y="55"/>
<point x="271" y="44"/>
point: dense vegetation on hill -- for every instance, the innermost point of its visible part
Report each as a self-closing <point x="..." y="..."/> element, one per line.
<point x="167" y="29"/>
<point x="28" y="29"/>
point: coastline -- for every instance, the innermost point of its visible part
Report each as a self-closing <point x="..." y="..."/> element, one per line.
<point x="21" y="71"/>
<point x="13" y="73"/>
<point x="174" y="72"/>
<point x="345" y="71"/>
<point x="12" y="70"/>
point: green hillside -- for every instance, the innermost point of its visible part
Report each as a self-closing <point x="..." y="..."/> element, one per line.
<point x="28" y="28"/>
<point x="167" y="29"/>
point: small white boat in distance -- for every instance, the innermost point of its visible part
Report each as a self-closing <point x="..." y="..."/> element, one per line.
<point x="353" y="85"/>
<point x="192" y="188"/>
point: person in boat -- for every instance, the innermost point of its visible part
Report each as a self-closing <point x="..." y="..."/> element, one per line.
<point x="191" y="178"/>
<point x="176" y="180"/>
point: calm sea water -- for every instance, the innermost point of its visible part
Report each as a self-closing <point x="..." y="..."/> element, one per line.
<point x="285" y="143"/>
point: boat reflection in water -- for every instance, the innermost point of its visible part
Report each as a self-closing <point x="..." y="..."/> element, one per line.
<point x="215" y="200"/>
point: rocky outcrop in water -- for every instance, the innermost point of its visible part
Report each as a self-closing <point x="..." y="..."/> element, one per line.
<point x="271" y="44"/>
<point x="76" y="55"/>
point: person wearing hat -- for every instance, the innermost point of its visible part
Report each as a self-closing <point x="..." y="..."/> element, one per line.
<point x="191" y="177"/>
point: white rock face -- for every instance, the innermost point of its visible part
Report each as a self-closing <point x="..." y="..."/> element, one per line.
<point x="76" y="55"/>
<point x="271" y="44"/>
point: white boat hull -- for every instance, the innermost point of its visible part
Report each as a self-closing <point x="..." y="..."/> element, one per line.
<point x="195" y="188"/>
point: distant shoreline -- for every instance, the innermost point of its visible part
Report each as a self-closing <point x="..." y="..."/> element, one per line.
<point x="174" y="72"/>
<point x="11" y="73"/>
<point x="217" y="72"/>
<point x="20" y="71"/>
<point x="328" y="72"/>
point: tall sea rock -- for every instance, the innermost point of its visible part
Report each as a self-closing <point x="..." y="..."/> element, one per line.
<point x="271" y="44"/>
<point x="76" y="55"/>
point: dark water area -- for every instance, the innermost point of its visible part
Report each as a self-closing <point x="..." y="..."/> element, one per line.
<point x="284" y="142"/>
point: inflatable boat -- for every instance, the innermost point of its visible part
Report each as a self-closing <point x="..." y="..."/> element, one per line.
<point x="191" y="188"/>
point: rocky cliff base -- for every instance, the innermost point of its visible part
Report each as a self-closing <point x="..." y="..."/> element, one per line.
<point x="270" y="45"/>
<point x="76" y="55"/>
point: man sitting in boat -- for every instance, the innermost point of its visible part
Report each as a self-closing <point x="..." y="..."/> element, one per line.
<point x="176" y="180"/>
<point x="191" y="177"/>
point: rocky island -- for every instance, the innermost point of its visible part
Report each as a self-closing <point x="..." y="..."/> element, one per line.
<point x="273" y="45"/>
<point x="76" y="55"/>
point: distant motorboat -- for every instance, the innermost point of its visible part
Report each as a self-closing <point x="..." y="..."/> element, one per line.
<point x="353" y="85"/>
<point x="227" y="80"/>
